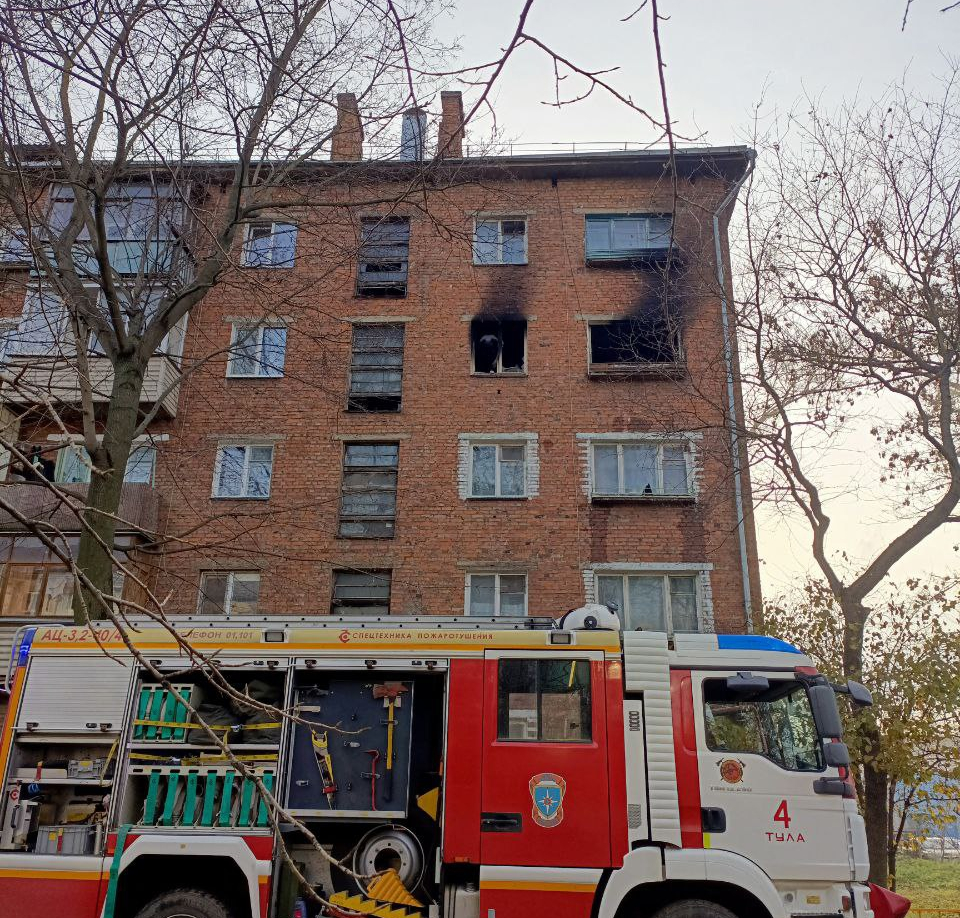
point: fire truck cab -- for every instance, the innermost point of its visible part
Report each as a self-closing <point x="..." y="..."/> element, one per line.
<point x="502" y="768"/>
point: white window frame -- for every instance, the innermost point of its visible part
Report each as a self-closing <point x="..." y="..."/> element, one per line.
<point x="63" y="453"/>
<point x="272" y="265"/>
<point x="499" y="444"/>
<point x="236" y="328"/>
<point x="703" y="620"/>
<point x="500" y="220"/>
<point x="497" y="575"/>
<point x="248" y="447"/>
<point x="228" y="593"/>
<point x="659" y="493"/>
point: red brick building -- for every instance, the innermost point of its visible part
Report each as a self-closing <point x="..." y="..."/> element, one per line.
<point x="506" y="392"/>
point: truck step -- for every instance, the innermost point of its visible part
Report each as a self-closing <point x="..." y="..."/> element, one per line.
<point x="365" y="906"/>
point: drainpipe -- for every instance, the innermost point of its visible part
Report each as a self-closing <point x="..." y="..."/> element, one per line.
<point x="731" y="390"/>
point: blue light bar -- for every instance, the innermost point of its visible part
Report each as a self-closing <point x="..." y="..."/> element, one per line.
<point x="754" y="642"/>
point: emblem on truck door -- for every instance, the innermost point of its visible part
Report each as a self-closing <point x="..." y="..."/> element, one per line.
<point x="731" y="770"/>
<point x="547" y="791"/>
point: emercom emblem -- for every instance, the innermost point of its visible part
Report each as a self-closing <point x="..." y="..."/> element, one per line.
<point x="547" y="791"/>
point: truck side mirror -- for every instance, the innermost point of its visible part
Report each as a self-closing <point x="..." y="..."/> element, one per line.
<point x="747" y="683"/>
<point x="859" y="694"/>
<point x="836" y="755"/>
<point x="825" y="713"/>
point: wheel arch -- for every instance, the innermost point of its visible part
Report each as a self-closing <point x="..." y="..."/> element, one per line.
<point x="223" y="867"/>
<point x="644" y="900"/>
<point x="667" y="874"/>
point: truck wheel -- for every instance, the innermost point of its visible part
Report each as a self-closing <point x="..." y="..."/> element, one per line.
<point x="694" y="908"/>
<point x="184" y="903"/>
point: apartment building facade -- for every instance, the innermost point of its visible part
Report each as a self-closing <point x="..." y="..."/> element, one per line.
<point x="491" y="385"/>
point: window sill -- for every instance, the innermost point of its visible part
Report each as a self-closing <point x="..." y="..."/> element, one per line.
<point x="674" y="370"/>
<point x="366" y="538"/>
<point x="251" y="376"/>
<point x="498" y="497"/>
<point x="478" y="375"/>
<point x="643" y="499"/>
<point x="237" y="497"/>
<point x="500" y="264"/>
<point x="629" y="259"/>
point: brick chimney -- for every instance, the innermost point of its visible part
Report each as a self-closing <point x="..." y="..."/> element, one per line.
<point x="450" y="141"/>
<point x="347" y="141"/>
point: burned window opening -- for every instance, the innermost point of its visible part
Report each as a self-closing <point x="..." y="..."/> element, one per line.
<point x="636" y="342"/>
<point x="384" y="253"/>
<point x="376" y="368"/>
<point x="498" y="346"/>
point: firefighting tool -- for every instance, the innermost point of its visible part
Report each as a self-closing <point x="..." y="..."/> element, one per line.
<point x="324" y="763"/>
<point x="390" y="692"/>
<point x="372" y="775"/>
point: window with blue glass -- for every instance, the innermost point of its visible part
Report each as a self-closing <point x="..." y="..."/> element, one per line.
<point x="269" y="244"/>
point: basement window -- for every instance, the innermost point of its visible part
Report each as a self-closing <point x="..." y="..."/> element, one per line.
<point x="626" y="345"/>
<point x="498" y="347"/>
<point x="384" y="256"/>
<point x="361" y="593"/>
<point x="627" y="237"/>
<point x="376" y="368"/>
<point x="229" y="593"/>
<point x="368" y="500"/>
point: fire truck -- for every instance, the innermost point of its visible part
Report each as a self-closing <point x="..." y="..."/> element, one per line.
<point x="426" y="768"/>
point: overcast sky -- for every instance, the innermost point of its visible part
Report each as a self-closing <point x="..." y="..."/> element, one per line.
<point x="722" y="57"/>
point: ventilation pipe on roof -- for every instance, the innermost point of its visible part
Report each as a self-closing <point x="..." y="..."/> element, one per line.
<point x="413" y="135"/>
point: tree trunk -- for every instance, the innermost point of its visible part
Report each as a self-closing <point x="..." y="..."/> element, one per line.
<point x="109" y="460"/>
<point x="865" y="740"/>
<point x="876" y="815"/>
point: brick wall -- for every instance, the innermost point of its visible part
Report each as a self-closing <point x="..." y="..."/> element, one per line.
<point x="558" y="536"/>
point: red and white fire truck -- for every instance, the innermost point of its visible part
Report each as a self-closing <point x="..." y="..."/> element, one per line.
<point x="496" y="768"/>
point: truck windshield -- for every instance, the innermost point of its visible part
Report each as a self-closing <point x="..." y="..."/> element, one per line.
<point x="776" y="723"/>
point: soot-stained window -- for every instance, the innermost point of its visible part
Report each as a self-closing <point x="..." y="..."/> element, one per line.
<point x="650" y="339"/>
<point x="498" y="346"/>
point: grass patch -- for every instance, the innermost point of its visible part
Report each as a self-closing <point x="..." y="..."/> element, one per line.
<point x="929" y="884"/>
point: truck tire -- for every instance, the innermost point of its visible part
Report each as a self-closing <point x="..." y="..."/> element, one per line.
<point x="185" y="903"/>
<point x="694" y="908"/>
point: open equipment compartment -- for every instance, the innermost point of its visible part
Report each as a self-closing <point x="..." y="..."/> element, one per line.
<point x="346" y="772"/>
<point x="177" y="777"/>
<point x="362" y="823"/>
